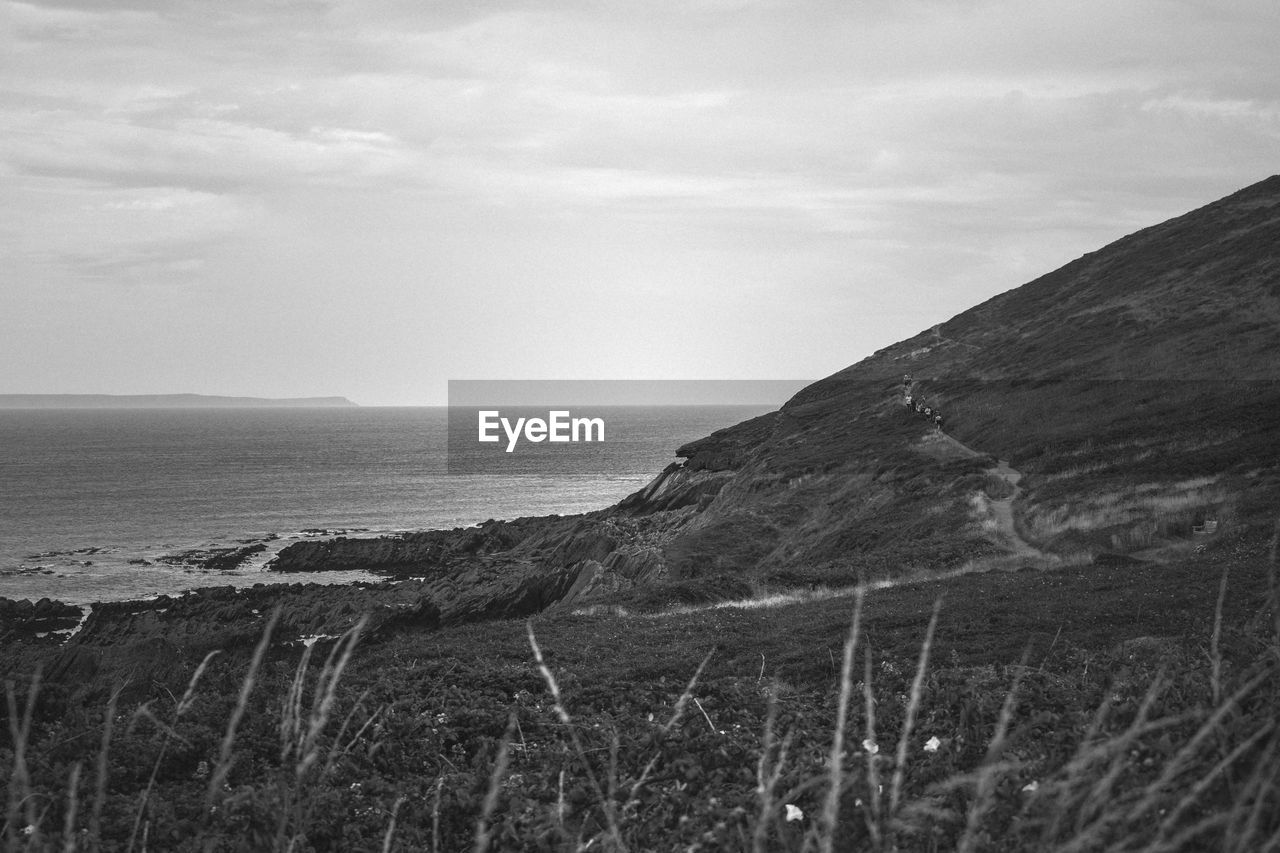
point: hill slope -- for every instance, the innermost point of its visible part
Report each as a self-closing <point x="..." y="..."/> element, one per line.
<point x="1148" y="366"/>
<point x="1133" y="389"/>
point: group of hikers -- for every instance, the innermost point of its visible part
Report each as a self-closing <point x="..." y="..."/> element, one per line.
<point x="919" y="404"/>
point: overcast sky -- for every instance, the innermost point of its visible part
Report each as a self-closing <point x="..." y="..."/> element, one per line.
<point x="371" y="197"/>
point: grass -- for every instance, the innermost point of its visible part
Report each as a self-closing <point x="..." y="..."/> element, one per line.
<point x="1130" y="518"/>
<point x="709" y="729"/>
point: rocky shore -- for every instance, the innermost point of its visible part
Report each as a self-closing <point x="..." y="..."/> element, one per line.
<point x="23" y="619"/>
<point x="222" y="559"/>
<point x="434" y="579"/>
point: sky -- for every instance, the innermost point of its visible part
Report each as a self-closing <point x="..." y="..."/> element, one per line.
<point x="372" y="197"/>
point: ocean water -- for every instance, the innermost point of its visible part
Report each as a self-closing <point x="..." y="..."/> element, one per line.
<point x="87" y="495"/>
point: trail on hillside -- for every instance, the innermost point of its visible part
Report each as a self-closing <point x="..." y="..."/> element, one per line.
<point x="1002" y="509"/>
<point x="1002" y="512"/>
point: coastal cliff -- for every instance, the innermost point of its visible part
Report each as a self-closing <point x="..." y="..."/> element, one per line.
<point x="1080" y="382"/>
<point x="1135" y="385"/>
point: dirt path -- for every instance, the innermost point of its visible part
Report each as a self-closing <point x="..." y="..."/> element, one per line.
<point x="1002" y="509"/>
<point x="943" y="446"/>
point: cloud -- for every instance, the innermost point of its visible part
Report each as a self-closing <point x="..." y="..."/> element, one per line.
<point x="172" y="264"/>
<point x="829" y="153"/>
<point x="1227" y="109"/>
<point x="96" y="231"/>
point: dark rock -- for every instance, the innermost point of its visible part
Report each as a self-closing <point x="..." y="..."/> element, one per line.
<point x="22" y="620"/>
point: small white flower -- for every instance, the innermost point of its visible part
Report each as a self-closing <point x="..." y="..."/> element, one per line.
<point x="932" y="744"/>
<point x="870" y="746"/>
<point x="794" y="813"/>
<point x="30" y="829"/>
<point x="1031" y="786"/>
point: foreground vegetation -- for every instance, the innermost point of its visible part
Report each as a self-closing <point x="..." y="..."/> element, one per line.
<point x="1082" y="709"/>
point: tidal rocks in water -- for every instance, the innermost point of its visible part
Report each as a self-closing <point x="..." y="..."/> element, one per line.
<point x="211" y="559"/>
<point x="27" y="570"/>
<point x="336" y="531"/>
<point x="231" y="558"/>
<point x="45" y="555"/>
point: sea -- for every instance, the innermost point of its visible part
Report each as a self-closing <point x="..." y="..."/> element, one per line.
<point x="117" y="504"/>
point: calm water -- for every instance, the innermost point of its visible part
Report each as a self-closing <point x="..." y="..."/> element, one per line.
<point x="142" y="484"/>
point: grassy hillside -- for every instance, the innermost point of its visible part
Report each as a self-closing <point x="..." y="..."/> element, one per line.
<point x="1080" y="709"/>
<point x="1137" y="388"/>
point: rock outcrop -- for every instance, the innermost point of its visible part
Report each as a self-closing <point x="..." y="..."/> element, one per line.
<point x="23" y="619"/>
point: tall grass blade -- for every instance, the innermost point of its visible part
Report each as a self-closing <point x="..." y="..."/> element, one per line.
<point x="1179" y="762"/>
<point x="675" y="718"/>
<point x="913" y="706"/>
<point x="435" y="816"/>
<point x="1215" y="642"/>
<point x="678" y="711"/>
<point x="391" y="825"/>
<point x="875" y="824"/>
<point x="187" y="700"/>
<point x="1203" y="783"/>
<point x="1099" y="794"/>
<point x="1261" y="786"/>
<point x="100" y="785"/>
<point x="764" y="792"/>
<point x="835" y="775"/>
<point x="987" y="772"/>
<point x="495" y="787"/>
<point x="223" y="767"/>
<point x="607" y="805"/>
<point x="73" y="804"/>
<point x="767" y="777"/>
<point x="19" y="776"/>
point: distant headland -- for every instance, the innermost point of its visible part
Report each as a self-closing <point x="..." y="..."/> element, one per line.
<point x="163" y="401"/>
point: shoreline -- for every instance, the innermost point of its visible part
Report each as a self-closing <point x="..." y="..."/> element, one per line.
<point x="170" y="569"/>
